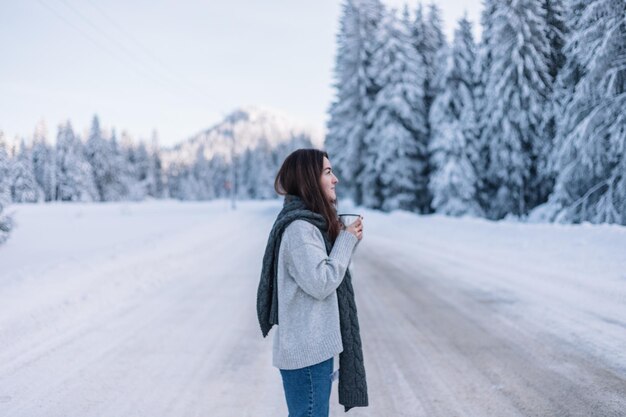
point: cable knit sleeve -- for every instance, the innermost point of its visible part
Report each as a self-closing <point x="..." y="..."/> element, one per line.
<point x="317" y="273"/>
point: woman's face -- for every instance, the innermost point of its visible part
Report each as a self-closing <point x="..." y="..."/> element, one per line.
<point x="328" y="181"/>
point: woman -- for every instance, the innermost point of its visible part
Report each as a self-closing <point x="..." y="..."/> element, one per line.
<point x="306" y="289"/>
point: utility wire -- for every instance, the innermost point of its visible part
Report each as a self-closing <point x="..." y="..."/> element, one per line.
<point x="127" y="58"/>
<point x="147" y="51"/>
<point x="124" y="48"/>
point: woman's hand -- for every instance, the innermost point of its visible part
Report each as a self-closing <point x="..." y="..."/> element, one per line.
<point x="356" y="228"/>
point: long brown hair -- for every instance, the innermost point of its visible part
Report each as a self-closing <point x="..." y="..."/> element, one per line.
<point x="300" y="176"/>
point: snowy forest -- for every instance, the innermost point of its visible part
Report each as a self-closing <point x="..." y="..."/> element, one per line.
<point x="236" y="158"/>
<point x="527" y="122"/>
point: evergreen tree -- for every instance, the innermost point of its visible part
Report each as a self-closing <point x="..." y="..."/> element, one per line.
<point x="430" y="43"/>
<point x="130" y="168"/>
<point x="44" y="163"/>
<point x="156" y="187"/>
<point x="434" y="51"/>
<point x="202" y="173"/>
<point x="116" y="186"/>
<point x="144" y="170"/>
<point x="555" y="19"/>
<point x="98" y="154"/>
<point x="543" y="182"/>
<point x="567" y="79"/>
<point x="395" y="161"/>
<point x="188" y="188"/>
<point x="453" y="147"/>
<point x="516" y="90"/>
<point x="220" y="176"/>
<point x="355" y="91"/>
<point x="160" y="190"/>
<point x="486" y="21"/>
<point x="590" y="154"/>
<point x="6" y="222"/>
<point x="486" y="186"/>
<point x="74" y="174"/>
<point x="5" y="172"/>
<point x="263" y="169"/>
<point x="175" y="175"/>
<point x="244" y="174"/>
<point x="24" y="187"/>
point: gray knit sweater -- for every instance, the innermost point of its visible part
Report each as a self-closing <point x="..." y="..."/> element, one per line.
<point x="308" y="317"/>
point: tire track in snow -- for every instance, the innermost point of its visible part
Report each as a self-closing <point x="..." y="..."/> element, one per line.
<point x="433" y="349"/>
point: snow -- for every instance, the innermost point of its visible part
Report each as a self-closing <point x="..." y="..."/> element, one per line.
<point x="569" y="280"/>
<point x="248" y="126"/>
<point x="74" y="276"/>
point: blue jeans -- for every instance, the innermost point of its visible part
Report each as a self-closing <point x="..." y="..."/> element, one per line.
<point x="307" y="390"/>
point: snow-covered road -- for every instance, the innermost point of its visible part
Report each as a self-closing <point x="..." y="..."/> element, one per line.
<point x="437" y="347"/>
<point x="149" y="310"/>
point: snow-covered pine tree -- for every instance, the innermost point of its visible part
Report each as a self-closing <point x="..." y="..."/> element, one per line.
<point x="74" y="174"/>
<point x="201" y="172"/>
<point x="6" y="222"/>
<point x="430" y="42"/>
<point x="157" y="186"/>
<point x="485" y="48"/>
<point x="393" y="176"/>
<point x="24" y="186"/>
<point x="5" y="172"/>
<point x="160" y="190"/>
<point x="143" y="165"/>
<point x="434" y="51"/>
<point x="487" y="39"/>
<point x="130" y="168"/>
<point x="564" y="86"/>
<point x="591" y="147"/>
<point x="182" y="180"/>
<point x="486" y="186"/>
<point x="117" y="188"/>
<point x="44" y="163"/>
<point x="516" y="91"/>
<point x="203" y="179"/>
<point x="453" y="146"/>
<point x="244" y="174"/>
<point x="98" y="154"/>
<point x="555" y="18"/>
<point x="567" y="78"/>
<point x="190" y="187"/>
<point x="543" y="182"/>
<point x="355" y="91"/>
<point x="220" y="176"/>
<point x="263" y="169"/>
<point x="174" y="177"/>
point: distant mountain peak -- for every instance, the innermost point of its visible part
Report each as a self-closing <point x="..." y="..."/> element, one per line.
<point x="244" y="128"/>
<point x="262" y="114"/>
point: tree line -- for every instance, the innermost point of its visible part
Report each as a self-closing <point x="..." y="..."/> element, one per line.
<point x="101" y="167"/>
<point x="529" y="121"/>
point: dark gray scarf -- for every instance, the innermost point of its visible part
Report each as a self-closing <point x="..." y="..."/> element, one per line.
<point x="352" y="383"/>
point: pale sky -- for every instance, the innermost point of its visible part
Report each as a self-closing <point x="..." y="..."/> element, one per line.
<point x="174" y="66"/>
